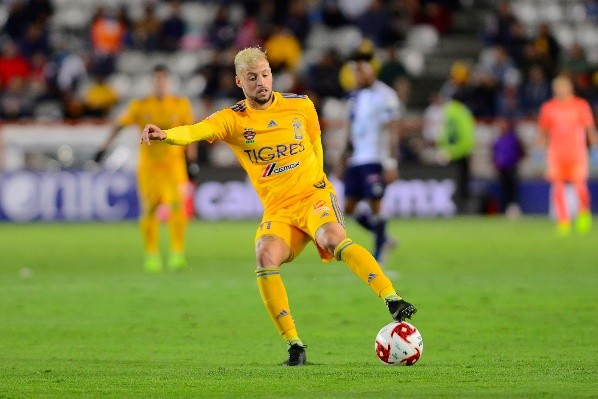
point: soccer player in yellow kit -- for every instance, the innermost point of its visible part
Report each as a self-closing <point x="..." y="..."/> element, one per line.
<point x="276" y="138"/>
<point x="167" y="182"/>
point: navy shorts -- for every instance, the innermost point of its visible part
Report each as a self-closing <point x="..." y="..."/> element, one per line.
<point x="364" y="181"/>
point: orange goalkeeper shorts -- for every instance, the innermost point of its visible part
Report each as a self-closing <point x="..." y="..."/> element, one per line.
<point x="569" y="171"/>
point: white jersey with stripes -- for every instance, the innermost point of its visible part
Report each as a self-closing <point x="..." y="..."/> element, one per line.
<point x="370" y="109"/>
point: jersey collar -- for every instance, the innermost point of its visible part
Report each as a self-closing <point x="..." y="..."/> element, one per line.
<point x="275" y="96"/>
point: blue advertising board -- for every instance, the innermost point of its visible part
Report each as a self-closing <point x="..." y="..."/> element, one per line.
<point x="87" y="196"/>
<point x="63" y="196"/>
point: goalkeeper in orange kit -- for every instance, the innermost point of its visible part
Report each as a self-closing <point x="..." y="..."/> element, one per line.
<point x="167" y="182"/>
<point x="276" y="138"/>
<point x="566" y="127"/>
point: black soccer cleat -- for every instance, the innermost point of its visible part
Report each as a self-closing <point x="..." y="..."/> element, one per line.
<point x="400" y="309"/>
<point x="296" y="356"/>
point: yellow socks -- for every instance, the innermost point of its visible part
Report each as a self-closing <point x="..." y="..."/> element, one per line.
<point x="356" y="257"/>
<point x="177" y="223"/>
<point x="276" y="301"/>
<point x="149" y="229"/>
<point x="363" y="264"/>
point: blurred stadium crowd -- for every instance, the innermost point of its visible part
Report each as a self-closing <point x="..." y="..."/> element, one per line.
<point x="81" y="59"/>
<point x="75" y="59"/>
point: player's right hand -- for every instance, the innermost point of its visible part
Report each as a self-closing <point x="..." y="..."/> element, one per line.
<point x="151" y="132"/>
<point x="99" y="156"/>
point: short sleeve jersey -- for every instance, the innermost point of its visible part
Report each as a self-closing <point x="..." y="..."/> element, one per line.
<point x="164" y="112"/>
<point x="566" y="123"/>
<point x="370" y="110"/>
<point x="273" y="145"/>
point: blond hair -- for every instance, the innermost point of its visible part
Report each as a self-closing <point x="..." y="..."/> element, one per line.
<point x="247" y="57"/>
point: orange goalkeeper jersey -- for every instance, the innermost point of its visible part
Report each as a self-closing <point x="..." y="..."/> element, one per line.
<point x="164" y="112"/>
<point x="279" y="147"/>
<point x="566" y="123"/>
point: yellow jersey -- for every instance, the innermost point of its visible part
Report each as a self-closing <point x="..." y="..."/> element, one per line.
<point x="279" y="147"/>
<point x="165" y="112"/>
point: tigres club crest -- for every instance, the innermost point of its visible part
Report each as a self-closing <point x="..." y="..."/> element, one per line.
<point x="249" y="135"/>
<point x="298" y="128"/>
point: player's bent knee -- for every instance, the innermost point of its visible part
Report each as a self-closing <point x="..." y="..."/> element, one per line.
<point x="269" y="257"/>
<point x="271" y="251"/>
<point x="330" y="235"/>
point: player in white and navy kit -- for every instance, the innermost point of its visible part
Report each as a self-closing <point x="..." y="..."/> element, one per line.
<point x="372" y="152"/>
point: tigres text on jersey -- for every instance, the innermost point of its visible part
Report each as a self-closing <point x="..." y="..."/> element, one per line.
<point x="279" y="147"/>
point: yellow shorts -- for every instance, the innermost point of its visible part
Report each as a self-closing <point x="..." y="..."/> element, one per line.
<point x="162" y="184"/>
<point x="297" y="224"/>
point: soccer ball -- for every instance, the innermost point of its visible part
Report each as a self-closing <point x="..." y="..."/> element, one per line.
<point x="399" y="343"/>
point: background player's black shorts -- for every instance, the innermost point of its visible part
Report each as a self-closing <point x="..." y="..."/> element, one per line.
<point x="364" y="181"/>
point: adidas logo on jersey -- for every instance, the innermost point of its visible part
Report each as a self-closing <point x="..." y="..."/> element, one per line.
<point x="272" y="124"/>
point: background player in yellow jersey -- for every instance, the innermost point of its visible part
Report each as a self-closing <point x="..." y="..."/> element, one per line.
<point x="167" y="182"/>
<point x="276" y="138"/>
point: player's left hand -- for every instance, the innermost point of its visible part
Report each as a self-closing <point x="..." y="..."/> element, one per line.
<point x="151" y="132"/>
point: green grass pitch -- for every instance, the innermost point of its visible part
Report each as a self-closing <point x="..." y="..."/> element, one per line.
<point x="506" y="310"/>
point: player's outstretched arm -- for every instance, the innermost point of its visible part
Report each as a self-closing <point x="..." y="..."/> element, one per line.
<point x="180" y="135"/>
<point x="151" y="132"/>
<point x="104" y="148"/>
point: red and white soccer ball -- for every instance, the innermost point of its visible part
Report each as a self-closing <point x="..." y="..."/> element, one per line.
<point x="399" y="343"/>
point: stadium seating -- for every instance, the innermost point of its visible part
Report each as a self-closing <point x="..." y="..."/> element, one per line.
<point x="426" y="55"/>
